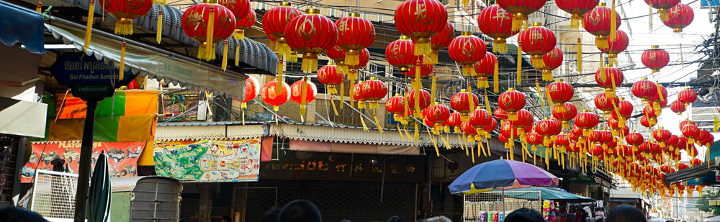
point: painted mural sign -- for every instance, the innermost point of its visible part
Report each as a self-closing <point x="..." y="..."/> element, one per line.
<point x="209" y="160"/>
<point x="123" y="157"/>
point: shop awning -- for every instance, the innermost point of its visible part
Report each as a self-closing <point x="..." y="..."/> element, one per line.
<point x="157" y="63"/>
<point x="20" y="25"/>
<point x="544" y="193"/>
<point x="690" y="173"/>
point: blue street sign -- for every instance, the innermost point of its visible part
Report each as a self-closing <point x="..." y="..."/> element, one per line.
<point x="77" y="68"/>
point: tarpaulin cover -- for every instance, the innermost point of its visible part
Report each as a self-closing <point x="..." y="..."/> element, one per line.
<point x="129" y="116"/>
<point x="20" y="25"/>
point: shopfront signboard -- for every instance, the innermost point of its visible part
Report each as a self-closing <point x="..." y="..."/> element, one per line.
<point x="88" y="76"/>
<point x="209" y="160"/>
<point x="123" y="157"/>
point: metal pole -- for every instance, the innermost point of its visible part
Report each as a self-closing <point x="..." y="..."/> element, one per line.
<point x="503" y="202"/>
<point x="85" y="156"/>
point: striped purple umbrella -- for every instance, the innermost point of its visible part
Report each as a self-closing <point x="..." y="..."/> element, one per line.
<point x="501" y="174"/>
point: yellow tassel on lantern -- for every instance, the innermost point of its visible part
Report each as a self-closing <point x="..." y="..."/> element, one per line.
<point x="601" y="42"/>
<point x="537" y="87"/>
<point x="279" y="77"/>
<point x="121" y="75"/>
<point x="417" y="132"/>
<point x="239" y="34"/>
<point x="519" y="63"/>
<point x="225" y="52"/>
<point x="487" y="103"/>
<point x="309" y="63"/>
<point x="159" y="2"/>
<point x="579" y="55"/>
<point x="209" y="35"/>
<point x="496" y="78"/>
<point x="517" y="22"/>
<point x="423" y="47"/>
<point x="471" y="100"/>
<point x="303" y="98"/>
<point x="433" y="86"/>
<point x="158" y="33"/>
<point x="352" y="57"/>
<point x="88" y="29"/>
<point x="342" y="95"/>
<point x="500" y="45"/>
<point x="575" y="21"/>
<point x="237" y="54"/>
<point x="664" y="15"/>
<point x="613" y="27"/>
<point x="650" y="17"/>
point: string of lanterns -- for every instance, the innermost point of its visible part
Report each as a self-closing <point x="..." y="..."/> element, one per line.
<point x="569" y="136"/>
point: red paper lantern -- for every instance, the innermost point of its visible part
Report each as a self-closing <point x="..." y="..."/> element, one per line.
<point x="479" y="118"/>
<point x="395" y="105"/>
<point x="296" y="89"/>
<point x="274" y="23"/>
<point x="649" y="111"/>
<point x="374" y="90"/>
<point x="125" y="11"/>
<point x="687" y="96"/>
<point x="311" y="34"/>
<point x="548" y="128"/>
<point x="524" y="121"/>
<point x="453" y="121"/>
<point x="679" y="17"/>
<point x="468" y="129"/>
<point x="354" y="35"/>
<point x="269" y="95"/>
<point x="467" y="49"/>
<point x="252" y="89"/>
<point x="461" y="103"/>
<point x="195" y="25"/>
<point x="241" y="9"/>
<point x="552" y="61"/>
<point x="577" y="8"/>
<point x="677" y="107"/>
<point x="634" y="139"/>
<point x="495" y="22"/>
<point x="534" y="138"/>
<point x="644" y="89"/>
<point x="440" y="41"/>
<point x="520" y="10"/>
<point x="602" y="102"/>
<point x="625" y="109"/>
<point x="662" y="6"/>
<point x="536" y="41"/>
<point x="609" y="78"/>
<point x="490" y="127"/>
<point x="358" y="95"/>
<point x="330" y="75"/>
<point x="424" y="98"/>
<point x="337" y="54"/>
<point x="598" y="23"/>
<point x="511" y="101"/>
<point x="486" y="67"/>
<point x="655" y="58"/>
<point x="399" y="53"/>
<point x="438" y="114"/>
<point x="244" y="22"/>
<point x="616" y="46"/>
<point x="500" y="114"/>
<point x="559" y="92"/>
<point x="420" y="20"/>
<point x="661" y="135"/>
<point x="690" y="131"/>
<point x="566" y="114"/>
<point x="586" y="120"/>
<point x="648" y="122"/>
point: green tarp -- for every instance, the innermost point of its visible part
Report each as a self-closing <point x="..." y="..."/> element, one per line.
<point x="546" y="194"/>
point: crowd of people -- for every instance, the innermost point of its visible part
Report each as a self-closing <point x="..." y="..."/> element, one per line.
<point x="306" y="211"/>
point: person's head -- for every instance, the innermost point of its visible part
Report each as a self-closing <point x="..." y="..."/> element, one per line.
<point x="271" y="215"/>
<point x="525" y="215"/>
<point x="625" y="213"/>
<point x="300" y="211"/>
<point x="15" y="214"/>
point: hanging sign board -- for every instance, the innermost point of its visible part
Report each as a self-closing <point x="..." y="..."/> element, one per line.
<point x="709" y="3"/>
<point x="88" y="77"/>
